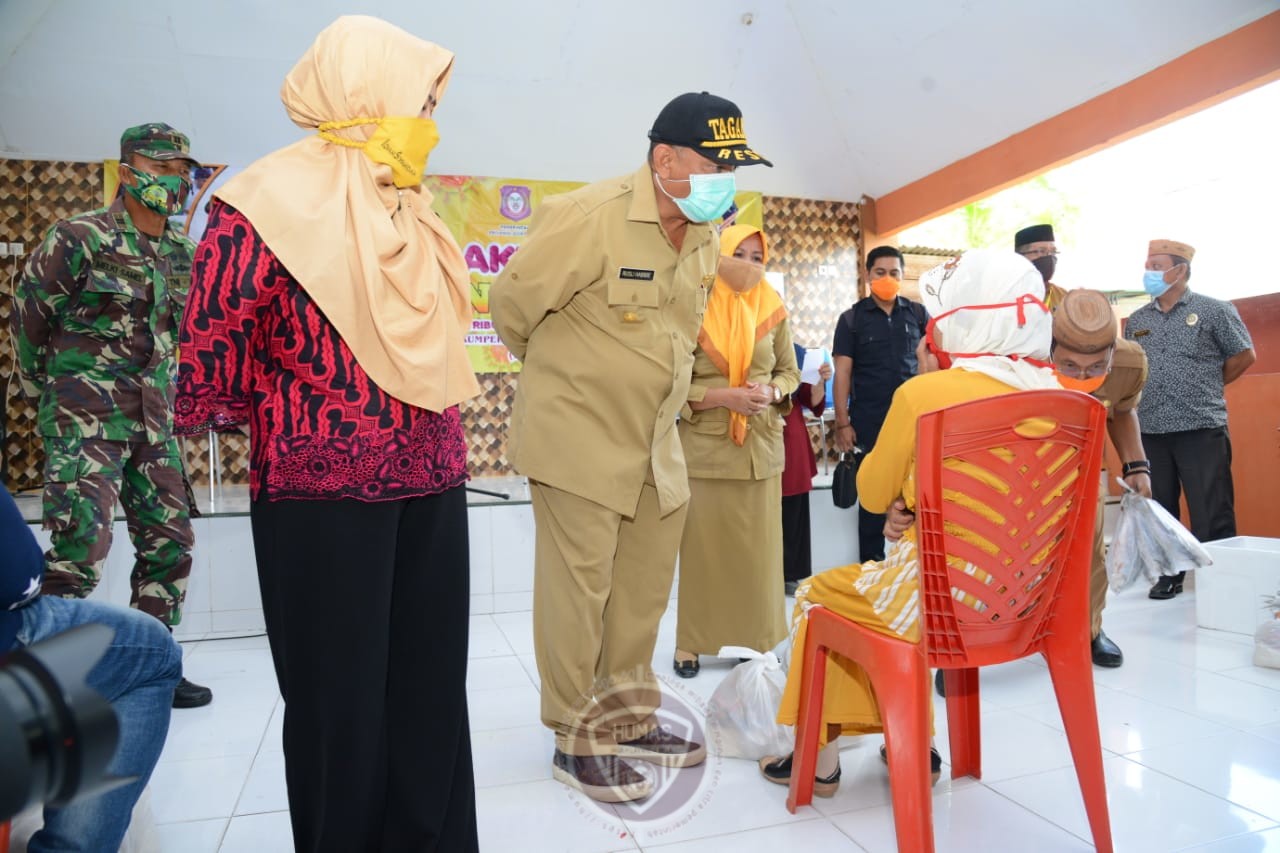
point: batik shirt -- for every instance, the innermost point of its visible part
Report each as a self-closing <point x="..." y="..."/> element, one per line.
<point x="1186" y="349"/>
<point x="257" y="350"/>
<point x="96" y="327"/>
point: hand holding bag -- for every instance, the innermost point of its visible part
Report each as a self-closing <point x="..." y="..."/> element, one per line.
<point x="844" y="479"/>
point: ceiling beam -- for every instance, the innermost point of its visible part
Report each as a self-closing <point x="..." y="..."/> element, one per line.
<point x="1223" y="68"/>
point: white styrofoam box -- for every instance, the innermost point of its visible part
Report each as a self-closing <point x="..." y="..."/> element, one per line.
<point x="232" y="565"/>
<point x="833" y="532"/>
<point x="1229" y="593"/>
<point x="480" y="539"/>
<point x="513" y="541"/>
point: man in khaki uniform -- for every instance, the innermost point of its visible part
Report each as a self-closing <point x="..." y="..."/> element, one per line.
<point x="1089" y="357"/>
<point x="603" y="305"/>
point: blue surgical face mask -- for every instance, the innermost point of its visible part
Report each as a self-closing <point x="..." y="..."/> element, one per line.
<point x="709" y="195"/>
<point x="1154" y="284"/>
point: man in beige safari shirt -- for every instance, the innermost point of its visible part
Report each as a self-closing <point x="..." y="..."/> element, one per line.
<point x="603" y="305"/>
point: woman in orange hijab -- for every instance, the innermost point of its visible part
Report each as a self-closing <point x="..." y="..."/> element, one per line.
<point x="327" y="312"/>
<point x="744" y="371"/>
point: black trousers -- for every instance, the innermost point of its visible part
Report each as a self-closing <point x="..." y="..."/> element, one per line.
<point x="1196" y="463"/>
<point x="367" y="609"/>
<point x="870" y="535"/>
<point x="797" y="559"/>
<point x="867" y="423"/>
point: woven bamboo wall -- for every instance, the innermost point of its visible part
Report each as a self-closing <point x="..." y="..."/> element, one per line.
<point x="803" y="235"/>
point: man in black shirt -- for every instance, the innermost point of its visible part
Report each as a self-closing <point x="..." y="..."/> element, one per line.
<point x="875" y="352"/>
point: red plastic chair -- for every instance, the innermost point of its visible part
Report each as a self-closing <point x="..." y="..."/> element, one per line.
<point x="1045" y="491"/>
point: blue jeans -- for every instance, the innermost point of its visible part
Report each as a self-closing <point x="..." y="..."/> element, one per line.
<point x="137" y="675"/>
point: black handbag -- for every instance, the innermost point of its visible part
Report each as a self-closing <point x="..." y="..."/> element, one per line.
<point x="844" y="479"/>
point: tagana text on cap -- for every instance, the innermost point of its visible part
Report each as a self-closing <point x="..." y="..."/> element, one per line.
<point x="1170" y="247"/>
<point x="708" y="124"/>
<point x="157" y="141"/>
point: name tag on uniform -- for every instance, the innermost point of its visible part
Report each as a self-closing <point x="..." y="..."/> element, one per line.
<point x="120" y="271"/>
<point x="1142" y="333"/>
<point x="632" y="274"/>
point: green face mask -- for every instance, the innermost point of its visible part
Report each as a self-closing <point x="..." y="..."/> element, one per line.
<point x="164" y="194"/>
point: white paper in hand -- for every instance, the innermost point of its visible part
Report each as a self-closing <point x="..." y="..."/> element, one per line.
<point x="813" y="359"/>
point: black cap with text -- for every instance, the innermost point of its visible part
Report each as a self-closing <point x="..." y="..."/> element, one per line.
<point x="708" y="124"/>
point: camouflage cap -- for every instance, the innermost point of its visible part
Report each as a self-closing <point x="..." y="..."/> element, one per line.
<point x="156" y="140"/>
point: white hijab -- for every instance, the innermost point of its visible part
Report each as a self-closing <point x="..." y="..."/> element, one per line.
<point x="992" y="335"/>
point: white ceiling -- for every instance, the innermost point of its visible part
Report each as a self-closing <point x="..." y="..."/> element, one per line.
<point x="847" y="97"/>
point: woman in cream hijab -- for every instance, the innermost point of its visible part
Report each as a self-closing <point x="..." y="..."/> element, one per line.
<point x="744" y="370"/>
<point x="993" y="331"/>
<point x="327" y="313"/>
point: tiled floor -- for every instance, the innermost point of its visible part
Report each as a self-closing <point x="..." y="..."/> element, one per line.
<point x="1190" y="728"/>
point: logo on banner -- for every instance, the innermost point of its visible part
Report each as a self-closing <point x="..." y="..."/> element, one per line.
<point x="515" y="202"/>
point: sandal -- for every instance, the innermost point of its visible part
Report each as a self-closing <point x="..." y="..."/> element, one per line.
<point x="777" y="769"/>
<point x="935" y="762"/>
<point x="686" y="668"/>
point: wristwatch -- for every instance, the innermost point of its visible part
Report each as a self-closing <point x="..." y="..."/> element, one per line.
<point x="777" y="393"/>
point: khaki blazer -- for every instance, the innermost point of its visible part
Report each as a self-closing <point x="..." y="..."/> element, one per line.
<point x="1123" y="388"/>
<point x="604" y="312"/>
<point x="708" y="450"/>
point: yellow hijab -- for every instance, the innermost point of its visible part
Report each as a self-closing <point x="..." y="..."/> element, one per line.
<point x="378" y="261"/>
<point x="735" y="321"/>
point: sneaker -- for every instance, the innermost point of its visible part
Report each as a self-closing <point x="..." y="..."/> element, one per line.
<point x="663" y="748"/>
<point x="777" y="769"/>
<point x="604" y="778"/>
<point x="189" y="695"/>
<point x="935" y="762"/>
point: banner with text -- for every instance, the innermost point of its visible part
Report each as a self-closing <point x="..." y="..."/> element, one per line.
<point x="489" y="217"/>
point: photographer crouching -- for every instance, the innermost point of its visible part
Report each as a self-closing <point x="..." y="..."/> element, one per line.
<point x="137" y="674"/>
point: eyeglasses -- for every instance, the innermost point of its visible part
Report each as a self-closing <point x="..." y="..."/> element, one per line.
<point x="1093" y="371"/>
<point x="1032" y="254"/>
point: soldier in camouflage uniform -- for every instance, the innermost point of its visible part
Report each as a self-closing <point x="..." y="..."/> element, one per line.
<point x="98" y="310"/>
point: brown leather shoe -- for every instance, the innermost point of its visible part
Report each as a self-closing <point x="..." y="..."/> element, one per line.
<point x="605" y="778"/>
<point x="664" y="749"/>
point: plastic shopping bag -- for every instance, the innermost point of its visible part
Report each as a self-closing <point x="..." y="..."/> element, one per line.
<point x="1266" y="642"/>
<point x="743" y="711"/>
<point x="1149" y="542"/>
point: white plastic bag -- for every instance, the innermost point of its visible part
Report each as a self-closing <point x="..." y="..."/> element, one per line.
<point x="743" y="711"/>
<point x="1266" y="644"/>
<point x="1149" y="542"/>
<point x="1266" y="641"/>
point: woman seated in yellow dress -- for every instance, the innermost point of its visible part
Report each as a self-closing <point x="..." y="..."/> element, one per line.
<point x="993" y="331"/>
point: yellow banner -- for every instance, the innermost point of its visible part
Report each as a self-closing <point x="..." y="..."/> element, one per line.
<point x="489" y="217"/>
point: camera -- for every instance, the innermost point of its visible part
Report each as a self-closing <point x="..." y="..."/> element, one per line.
<point x="57" y="736"/>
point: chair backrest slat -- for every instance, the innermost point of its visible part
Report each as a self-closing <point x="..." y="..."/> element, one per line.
<point x="1007" y="489"/>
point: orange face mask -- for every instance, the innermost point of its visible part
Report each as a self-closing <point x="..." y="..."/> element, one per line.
<point x="886" y="288"/>
<point x="1088" y="386"/>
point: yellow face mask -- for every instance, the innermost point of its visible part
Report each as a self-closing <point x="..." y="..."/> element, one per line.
<point x="401" y="142"/>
